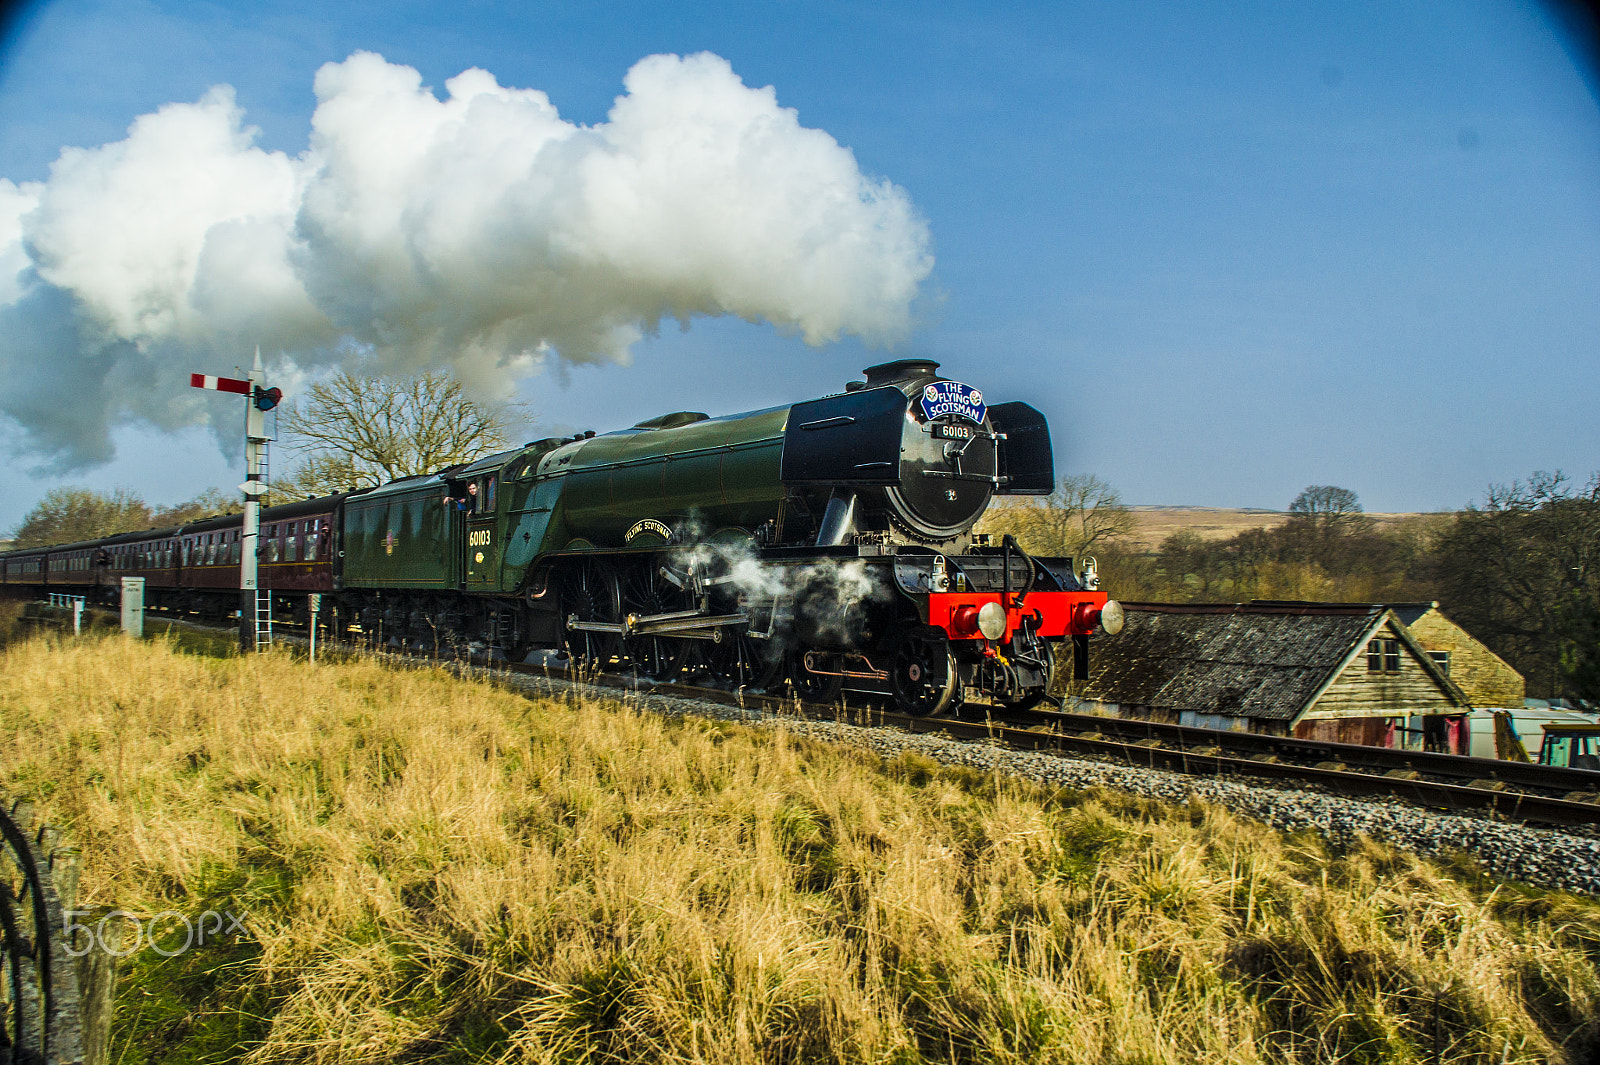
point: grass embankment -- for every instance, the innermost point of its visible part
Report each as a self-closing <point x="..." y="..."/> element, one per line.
<point x="435" y="870"/>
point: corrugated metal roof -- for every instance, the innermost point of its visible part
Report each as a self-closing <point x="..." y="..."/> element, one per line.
<point x="1258" y="661"/>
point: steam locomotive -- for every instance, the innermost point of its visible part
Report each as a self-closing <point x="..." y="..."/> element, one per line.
<point x="816" y="546"/>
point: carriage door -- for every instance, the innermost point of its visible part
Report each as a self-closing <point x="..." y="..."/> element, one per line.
<point x="483" y="546"/>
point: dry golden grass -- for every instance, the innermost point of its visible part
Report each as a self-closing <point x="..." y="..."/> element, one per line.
<point x="436" y="870"/>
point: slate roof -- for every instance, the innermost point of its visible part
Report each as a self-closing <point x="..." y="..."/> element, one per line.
<point x="1408" y="613"/>
<point x="1264" y="661"/>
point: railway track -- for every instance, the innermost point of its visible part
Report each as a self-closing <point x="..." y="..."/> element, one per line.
<point x="1512" y="791"/>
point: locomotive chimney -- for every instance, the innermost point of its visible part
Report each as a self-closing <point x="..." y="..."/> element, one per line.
<point x="900" y="370"/>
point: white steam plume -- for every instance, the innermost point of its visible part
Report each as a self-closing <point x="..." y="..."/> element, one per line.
<point x="479" y="232"/>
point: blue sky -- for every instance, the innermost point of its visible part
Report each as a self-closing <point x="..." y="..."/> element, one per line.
<point x="1229" y="249"/>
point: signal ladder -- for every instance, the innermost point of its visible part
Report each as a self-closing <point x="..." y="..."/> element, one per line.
<point x="263" y="603"/>
<point x="263" y="619"/>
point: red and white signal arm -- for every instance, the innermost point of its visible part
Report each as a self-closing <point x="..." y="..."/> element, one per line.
<point x="220" y="384"/>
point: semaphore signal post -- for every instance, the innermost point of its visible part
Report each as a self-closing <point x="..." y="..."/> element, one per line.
<point x="260" y="399"/>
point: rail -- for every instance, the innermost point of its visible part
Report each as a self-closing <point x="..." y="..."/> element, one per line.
<point x="1487" y="772"/>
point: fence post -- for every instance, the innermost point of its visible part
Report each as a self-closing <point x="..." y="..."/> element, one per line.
<point x="97" y="969"/>
<point x="313" y="605"/>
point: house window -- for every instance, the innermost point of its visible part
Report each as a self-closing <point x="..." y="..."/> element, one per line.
<point x="1442" y="660"/>
<point x="1383" y="656"/>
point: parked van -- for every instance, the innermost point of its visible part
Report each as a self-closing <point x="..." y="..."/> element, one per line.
<point x="1530" y="722"/>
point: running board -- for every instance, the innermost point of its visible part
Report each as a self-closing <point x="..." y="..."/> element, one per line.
<point x="685" y="623"/>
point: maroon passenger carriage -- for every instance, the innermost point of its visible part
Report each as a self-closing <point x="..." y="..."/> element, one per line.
<point x="193" y="568"/>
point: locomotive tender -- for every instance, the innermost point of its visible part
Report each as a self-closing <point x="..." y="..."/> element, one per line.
<point x="819" y="545"/>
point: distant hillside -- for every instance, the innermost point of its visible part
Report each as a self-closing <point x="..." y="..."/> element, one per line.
<point x="1216" y="523"/>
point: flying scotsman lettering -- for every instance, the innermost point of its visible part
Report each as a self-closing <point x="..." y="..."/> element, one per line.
<point x="952" y="397"/>
<point x="648" y="525"/>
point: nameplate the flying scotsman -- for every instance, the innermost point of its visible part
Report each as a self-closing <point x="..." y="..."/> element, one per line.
<point x="943" y="398"/>
<point x="648" y="525"/>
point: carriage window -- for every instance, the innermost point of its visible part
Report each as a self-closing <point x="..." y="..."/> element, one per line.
<point x="291" y="545"/>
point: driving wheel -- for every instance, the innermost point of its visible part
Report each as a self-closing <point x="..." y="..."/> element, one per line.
<point x="645" y="592"/>
<point x="590" y="593"/>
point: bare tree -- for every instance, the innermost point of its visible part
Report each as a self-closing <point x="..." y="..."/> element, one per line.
<point x="66" y="515"/>
<point x="1523" y="573"/>
<point x="355" y="432"/>
<point x="1081" y="514"/>
<point x="1330" y="510"/>
<point x="207" y="504"/>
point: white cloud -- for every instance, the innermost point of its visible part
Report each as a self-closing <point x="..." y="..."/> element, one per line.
<point x="479" y="231"/>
